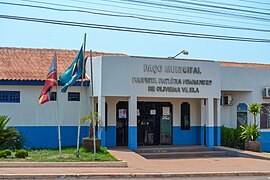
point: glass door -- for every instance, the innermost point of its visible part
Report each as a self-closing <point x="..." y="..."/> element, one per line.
<point x="146" y="123"/>
<point x="122" y="124"/>
<point x="165" y="123"/>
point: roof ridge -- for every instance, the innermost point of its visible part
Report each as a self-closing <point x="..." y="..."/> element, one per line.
<point x="243" y="62"/>
<point x="51" y="49"/>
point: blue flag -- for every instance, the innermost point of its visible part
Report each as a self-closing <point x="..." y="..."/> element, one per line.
<point x="74" y="72"/>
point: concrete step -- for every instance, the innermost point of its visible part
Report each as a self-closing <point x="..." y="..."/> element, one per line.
<point x="164" y="149"/>
<point x="178" y="155"/>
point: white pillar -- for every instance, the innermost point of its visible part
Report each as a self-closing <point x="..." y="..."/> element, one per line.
<point x="101" y="113"/>
<point x="218" y="123"/>
<point x="132" y="124"/>
<point x="202" y="120"/>
<point x="210" y="123"/>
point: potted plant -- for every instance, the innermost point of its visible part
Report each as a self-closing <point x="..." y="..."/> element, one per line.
<point x="250" y="133"/>
<point x="88" y="142"/>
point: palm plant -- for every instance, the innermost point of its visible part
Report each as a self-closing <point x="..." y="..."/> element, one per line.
<point x="254" y="109"/>
<point x="250" y="132"/>
<point x="8" y="135"/>
<point x="93" y="121"/>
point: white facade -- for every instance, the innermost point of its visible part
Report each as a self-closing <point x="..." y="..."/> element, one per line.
<point x="128" y="90"/>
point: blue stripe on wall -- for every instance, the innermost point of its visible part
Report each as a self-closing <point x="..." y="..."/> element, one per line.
<point x="210" y="136"/>
<point x="265" y="141"/>
<point x="47" y="136"/>
<point x="36" y="83"/>
<point x="217" y="135"/>
<point x="192" y="136"/>
<point x="132" y="137"/>
<point x="111" y="136"/>
<point x="103" y="137"/>
<point x="202" y="135"/>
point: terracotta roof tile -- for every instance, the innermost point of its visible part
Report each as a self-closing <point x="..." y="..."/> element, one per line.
<point x="246" y="65"/>
<point x="33" y="64"/>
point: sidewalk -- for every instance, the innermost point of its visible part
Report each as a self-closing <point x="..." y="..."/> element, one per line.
<point x="141" y="167"/>
<point x="137" y="163"/>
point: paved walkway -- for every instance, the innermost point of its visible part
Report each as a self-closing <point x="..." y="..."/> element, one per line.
<point x="138" y="165"/>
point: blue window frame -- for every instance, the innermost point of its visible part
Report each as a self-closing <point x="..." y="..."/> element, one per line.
<point x="242" y="109"/>
<point x="73" y="96"/>
<point x="10" y="96"/>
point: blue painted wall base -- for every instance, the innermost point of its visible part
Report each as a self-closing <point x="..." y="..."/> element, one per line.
<point x="111" y="136"/>
<point x="210" y="136"/>
<point x="202" y="135"/>
<point x="191" y="136"/>
<point x="47" y="136"/>
<point x="132" y="137"/>
<point x="217" y="136"/>
<point x="265" y="141"/>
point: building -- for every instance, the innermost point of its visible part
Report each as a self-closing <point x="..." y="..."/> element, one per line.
<point x="140" y="100"/>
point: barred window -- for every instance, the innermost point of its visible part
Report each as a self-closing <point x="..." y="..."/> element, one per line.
<point x="185" y="116"/>
<point x="10" y="96"/>
<point x="241" y="114"/>
<point x="265" y="116"/>
<point x="73" y="96"/>
<point x="53" y="96"/>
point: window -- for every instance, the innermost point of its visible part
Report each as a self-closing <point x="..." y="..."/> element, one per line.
<point x="53" y="96"/>
<point x="185" y="116"/>
<point x="241" y="114"/>
<point x="10" y="96"/>
<point x="73" y="96"/>
<point x="265" y="116"/>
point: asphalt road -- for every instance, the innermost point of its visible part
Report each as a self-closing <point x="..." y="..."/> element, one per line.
<point x="206" y="178"/>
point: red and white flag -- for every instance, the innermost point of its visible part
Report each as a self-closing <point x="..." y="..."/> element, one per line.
<point x="49" y="82"/>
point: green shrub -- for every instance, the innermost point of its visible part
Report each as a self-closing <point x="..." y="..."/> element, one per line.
<point x="230" y="137"/>
<point x="3" y="154"/>
<point x="8" y="152"/>
<point x="9" y="136"/>
<point x="21" y="153"/>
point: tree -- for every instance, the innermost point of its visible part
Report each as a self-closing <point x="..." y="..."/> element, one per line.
<point x="254" y="109"/>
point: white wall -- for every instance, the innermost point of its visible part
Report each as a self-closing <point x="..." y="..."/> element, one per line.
<point x="229" y="113"/>
<point x="29" y="113"/>
<point x="113" y="77"/>
<point x="245" y="85"/>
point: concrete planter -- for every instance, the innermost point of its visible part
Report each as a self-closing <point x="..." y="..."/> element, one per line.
<point x="88" y="144"/>
<point x="253" y="146"/>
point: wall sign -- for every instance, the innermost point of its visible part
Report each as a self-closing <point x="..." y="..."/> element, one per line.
<point x="152" y="112"/>
<point x="171" y="84"/>
<point x="122" y="113"/>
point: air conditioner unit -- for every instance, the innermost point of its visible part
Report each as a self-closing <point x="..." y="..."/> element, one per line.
<point x="227" y="100"/>
<point x="266" y="92"/>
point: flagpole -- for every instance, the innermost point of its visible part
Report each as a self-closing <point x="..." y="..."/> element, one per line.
<point x="80" y="107"/>
<point x="93" y="104"/>
<point x="57" y="110"/>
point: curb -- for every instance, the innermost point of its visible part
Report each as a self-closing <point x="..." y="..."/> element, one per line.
<point x="62" y="164"/>
<point x="241" y="153"/>
<point x="132" y="175"/>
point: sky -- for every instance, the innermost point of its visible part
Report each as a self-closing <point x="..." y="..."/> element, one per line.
<point x="15" y="33"/>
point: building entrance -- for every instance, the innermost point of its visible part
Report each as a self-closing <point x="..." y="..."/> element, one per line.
<point x="122" y="123"/>
<point x="154" y="123"/>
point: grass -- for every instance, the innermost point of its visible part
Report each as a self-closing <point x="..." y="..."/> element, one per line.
<point x="68" y="155"/>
